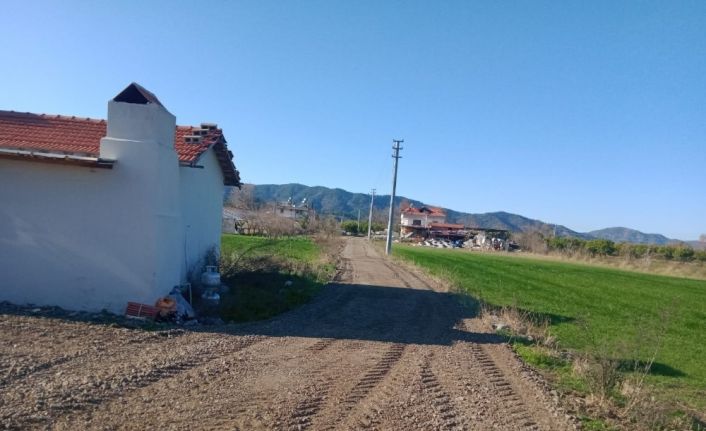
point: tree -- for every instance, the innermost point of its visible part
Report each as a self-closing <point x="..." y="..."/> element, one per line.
<point x="350" y="226"/>
<point x="243" y="199"/>
<point x="601" y="247"/>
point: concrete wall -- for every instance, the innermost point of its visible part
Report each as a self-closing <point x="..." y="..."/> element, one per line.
<point x="85" y="238"/>
<point x="408" y="219"/>
<point x="201" y="194"/>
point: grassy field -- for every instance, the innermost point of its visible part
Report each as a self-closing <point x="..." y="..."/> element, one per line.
<point x="270" y="276"/>
<point x="295" y="249"/>
<point x="622" y="313"/>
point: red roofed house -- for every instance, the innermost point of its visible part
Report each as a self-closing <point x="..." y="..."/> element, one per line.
<point x="97" y="213"/>
<point x="415" y="220"/>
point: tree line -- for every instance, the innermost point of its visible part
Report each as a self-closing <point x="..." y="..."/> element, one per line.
<point x="605" y="247"/>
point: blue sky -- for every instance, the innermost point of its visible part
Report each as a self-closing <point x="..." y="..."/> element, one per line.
<point x="587" y="114"/>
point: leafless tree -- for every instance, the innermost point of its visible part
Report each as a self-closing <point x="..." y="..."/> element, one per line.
<point x="243" y="199"/>
<point x="531" y="241"/>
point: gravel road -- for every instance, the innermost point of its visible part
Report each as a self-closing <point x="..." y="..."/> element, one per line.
<point x="380" y="349"/>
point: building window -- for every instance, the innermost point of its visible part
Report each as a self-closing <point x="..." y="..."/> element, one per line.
<point x="416" y="222"/>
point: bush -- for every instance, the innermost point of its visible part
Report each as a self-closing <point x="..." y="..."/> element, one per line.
<point x="566" y="244"/>
<point x="350" y="226"/>
<point x="684" y="254"/>
<point x="700" y="255"/>
<point x="601" y="247"/>
<point x="635" y="251"/>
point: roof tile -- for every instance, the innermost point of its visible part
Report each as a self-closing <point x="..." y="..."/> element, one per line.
<point x="71" y="135"/>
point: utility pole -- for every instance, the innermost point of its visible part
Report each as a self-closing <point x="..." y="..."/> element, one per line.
<point x="396" y="148"/>
<point x="358" y="220"/>
<point x="370" y="216"/>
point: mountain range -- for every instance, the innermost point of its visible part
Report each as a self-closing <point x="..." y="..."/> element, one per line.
<point x="345" y="204"/>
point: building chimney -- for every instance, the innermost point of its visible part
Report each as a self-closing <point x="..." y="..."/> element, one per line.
<point x="137" y="115"/>
<point x="146" y="182"/>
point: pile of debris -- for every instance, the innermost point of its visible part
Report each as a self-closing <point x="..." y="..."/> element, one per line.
<point x="481" y="241"/>
<point x="478" y="241"/>
<point x="441" y="243"/>
<point x="179" y="306"/>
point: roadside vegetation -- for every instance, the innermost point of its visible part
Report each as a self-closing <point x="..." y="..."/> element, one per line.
<point x="630" y="345"/>
<point x="675" y="259"/>
<point x="351" y="227"/>
<point x="267" y="276"/>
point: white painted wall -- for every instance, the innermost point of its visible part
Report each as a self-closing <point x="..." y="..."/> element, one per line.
<point x="90" y="239"/>
<point x="424" y="219"/>
<point x="201" y="195"/>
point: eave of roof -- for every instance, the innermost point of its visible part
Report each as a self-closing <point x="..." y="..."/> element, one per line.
<point x="66" y="159"/>
<point x="72" y="138"/>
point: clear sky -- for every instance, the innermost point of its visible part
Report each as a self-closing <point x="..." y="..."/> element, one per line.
<point x="590" y="114"/>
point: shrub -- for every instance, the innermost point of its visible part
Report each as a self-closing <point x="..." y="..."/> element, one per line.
<point x="600" y="247"/>
<point x="350" y="226"/>
<point x="685" y="254"/>
<point x="635" y="251"/>
<point x="700" y="255"/>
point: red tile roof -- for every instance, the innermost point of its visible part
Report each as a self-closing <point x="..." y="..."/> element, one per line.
<point x="72" y="135"/>
<point x="432" y="211"/>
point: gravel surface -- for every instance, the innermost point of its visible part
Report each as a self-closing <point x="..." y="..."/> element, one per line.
<point x="382" y="349"/>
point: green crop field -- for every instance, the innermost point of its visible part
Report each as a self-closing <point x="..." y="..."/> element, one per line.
<point x="589" y="305"/>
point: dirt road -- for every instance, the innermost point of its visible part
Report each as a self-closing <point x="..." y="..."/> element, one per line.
<point x="381" y="349"/>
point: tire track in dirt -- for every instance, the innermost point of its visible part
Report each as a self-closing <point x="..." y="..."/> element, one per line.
<point x="363" y="387"/>
<point x="515" y="412"/>
<point x="240" y="384"/>
<point x="323" y="380"/>
<point x="441" y="401"/>
<point x="62" y="398"/>
<point x="31" y="367"/>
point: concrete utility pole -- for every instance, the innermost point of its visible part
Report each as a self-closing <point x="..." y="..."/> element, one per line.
<point x="396" y="148"/>
<point x="358" y="220"/>
<point x="370" y="216"/>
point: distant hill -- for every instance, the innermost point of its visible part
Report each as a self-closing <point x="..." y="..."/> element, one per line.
<point x="346" y="204"/>
<point x="342" y="203"/>
<point x="623" y="234"/>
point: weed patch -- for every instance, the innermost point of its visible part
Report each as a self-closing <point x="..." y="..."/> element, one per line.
<point x="269" y="276"/>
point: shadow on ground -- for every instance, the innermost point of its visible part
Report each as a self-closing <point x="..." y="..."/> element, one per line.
<point x="340" y="311"/>
<point x="375" y="313"/>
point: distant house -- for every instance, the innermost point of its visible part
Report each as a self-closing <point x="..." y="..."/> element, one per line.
<point x="293" y="211"/>
<point x="414" y="220"/>
<point x="96" y="213"/>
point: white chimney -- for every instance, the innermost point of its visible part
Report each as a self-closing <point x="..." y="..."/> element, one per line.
<point x="137" y="115"/>
<point x="140" y="138"/>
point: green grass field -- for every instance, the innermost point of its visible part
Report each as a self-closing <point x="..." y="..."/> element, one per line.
<point x="269" y="276"/>
<point x="590" y="306"/>
<point x="296" y="249"/>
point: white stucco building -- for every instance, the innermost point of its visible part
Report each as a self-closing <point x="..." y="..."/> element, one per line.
<point x="97" y="213"/>
<point x="422" y="216"/>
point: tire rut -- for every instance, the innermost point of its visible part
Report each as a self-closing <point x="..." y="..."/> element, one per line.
<point x="367" y="383"/>
<point x="516" y="415"/>
<point x="441" y="401"/>
<point x="64" y="400"/>
<point x="30" y="369"/>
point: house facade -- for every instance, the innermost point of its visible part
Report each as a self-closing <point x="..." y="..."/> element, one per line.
<point x="414" y="221"/>
<point x="293" y="211"/>
<point x="96" y="213"/>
